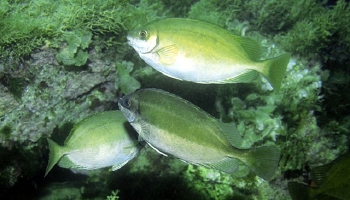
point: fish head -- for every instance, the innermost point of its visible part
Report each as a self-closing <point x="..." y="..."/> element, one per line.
<point x="143" y="39"/>
<point x="128" y="105"/>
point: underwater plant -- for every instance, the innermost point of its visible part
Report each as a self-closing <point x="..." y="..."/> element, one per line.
<point x="124" y="80"/>
<point x="74" y="54"/>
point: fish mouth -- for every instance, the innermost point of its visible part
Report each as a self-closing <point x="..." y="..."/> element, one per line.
<point x="140" y="46"/>
<point x="130" y="116"/>
<point x="130" y="40"/>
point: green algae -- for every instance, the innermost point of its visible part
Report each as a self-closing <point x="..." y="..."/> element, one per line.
<point x="124" y="81"/>
<point x="28" y="25"/>
<point x="74" y="54"/>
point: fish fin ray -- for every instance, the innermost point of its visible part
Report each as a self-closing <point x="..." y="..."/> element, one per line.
<point x="55" y="155"/>
<point x="119" y="165"/>
<point x="143" y="129"/>
<point x="275" y="70"/>
<point x="227" y="165"/>
<point x="167" y="55"/>
<point x="65" y="162"/>
<point x="263" y="161"/>
<point x="157" y="150"/>
<point x="129" y="150"/>
<point x="251" y="47"/>
<point x="245" y="77"/>
<point x="319" y="173"/>
<point x="140" y="139"/>
<point x="231" y="133"/>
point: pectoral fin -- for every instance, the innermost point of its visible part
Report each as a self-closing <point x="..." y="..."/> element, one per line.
<point x="129" y="150"/>
<point x="167" y="55"/>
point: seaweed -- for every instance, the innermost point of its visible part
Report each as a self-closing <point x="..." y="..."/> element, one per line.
<point x="124" y="81"/>
<point x="74" y="54"/>
<point x="29" y="25"/>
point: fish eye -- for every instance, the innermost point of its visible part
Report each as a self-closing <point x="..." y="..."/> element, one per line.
<point x="143" y="34"/>
<point x="127" y="102"/>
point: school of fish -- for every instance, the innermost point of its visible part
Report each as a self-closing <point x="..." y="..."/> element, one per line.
<point x="189" y="50"/>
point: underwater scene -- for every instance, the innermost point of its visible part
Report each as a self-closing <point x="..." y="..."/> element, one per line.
<point x="188" y="99"/>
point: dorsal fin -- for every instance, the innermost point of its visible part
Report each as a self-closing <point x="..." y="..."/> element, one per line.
<point x="251" y="47"/>
<point x="319" y="173"/>
<point x="231" y="133"/>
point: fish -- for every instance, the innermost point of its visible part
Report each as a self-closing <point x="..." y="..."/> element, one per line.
<point x="174" y="126"/>
<point x="330" y="181"/>
<point x="100" y="140"/>
<point x="201" y="52"/>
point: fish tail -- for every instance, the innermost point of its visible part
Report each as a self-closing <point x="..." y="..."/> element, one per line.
<point x="55" y="155"/>
<point x="263" y="161"/>
<point x="300" y="191"/>
<point x="274" y="70"/>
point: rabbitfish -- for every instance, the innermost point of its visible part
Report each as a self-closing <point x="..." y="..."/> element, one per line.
<point x="331" y="181"/>
<point x="174" y="126"/>
<point x="202" y="52"/>
<point x="100" y="140"/>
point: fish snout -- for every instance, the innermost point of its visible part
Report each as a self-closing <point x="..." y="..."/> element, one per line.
<point x="124" y="105"/>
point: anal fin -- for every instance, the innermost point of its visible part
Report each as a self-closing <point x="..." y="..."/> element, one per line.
<point x="227" y="165"/>
<point x="245" y="77"/>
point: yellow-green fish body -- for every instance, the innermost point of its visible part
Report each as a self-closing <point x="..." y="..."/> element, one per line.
<point x="100" y="140"/>
<point x="174" y="126"/>
<point x="202" y="52"/>
<point x="332" y="182"/>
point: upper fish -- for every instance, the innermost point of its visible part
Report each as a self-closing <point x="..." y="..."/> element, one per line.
<point x="201" y="52"/>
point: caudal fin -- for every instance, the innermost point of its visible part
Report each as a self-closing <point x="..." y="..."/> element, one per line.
<point x="55" y="155"/>
<point x="263" y="161"/>
<point x="275" y="69"/>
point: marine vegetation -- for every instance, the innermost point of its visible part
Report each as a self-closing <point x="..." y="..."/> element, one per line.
<point x="74" y="54"/>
